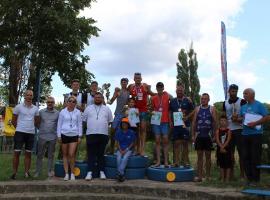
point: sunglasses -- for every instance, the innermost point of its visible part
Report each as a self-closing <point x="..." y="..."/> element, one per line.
<point x="70" y="101"/>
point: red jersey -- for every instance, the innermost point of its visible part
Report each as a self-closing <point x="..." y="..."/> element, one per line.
<point x="161" y="104"/>
<point x="140" y="94"/>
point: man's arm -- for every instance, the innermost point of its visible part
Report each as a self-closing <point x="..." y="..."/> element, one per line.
<point x="14" y="120"/>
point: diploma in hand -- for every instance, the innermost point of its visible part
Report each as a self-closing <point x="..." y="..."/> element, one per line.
<point x="156" y="118"/>
<point x="178" y="119"/>
<point x="249" y="117"/>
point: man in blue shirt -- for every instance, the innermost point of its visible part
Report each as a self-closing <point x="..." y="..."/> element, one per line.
<point x="253" y="114"/>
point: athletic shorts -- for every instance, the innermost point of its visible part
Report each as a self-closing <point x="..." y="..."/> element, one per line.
<point x="162" y="129"/>
<point x="180" y="133"/>
<point x="144" y="116"/>
<point x="22" y="138"/>
<point x="203" y="144"/>
<point x="69" y="139"/>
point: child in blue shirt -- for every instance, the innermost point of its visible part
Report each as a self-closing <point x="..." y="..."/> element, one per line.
<point x="125" y="139"/>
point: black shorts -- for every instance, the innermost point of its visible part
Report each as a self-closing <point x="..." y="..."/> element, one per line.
<point x="26" y="139"/>
<point x="180" y="133"/>
<point x="203" y="144"/>
<point x="69" y="139"/>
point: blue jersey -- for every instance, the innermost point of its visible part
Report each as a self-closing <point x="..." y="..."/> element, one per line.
<point x="253" y="108"/>
<point x="185" y="105"/>
<point x="125" y="138"/>
<point x="204" y="122"/>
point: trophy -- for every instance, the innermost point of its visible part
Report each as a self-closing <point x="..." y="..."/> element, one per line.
<point x="106" y="88"/>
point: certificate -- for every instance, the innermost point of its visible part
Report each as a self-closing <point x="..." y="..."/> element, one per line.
<point x="133" y="117"/>
<point x="156" y="118"/>
<point x="249" y="117"/>
<point x="178" y="119"/>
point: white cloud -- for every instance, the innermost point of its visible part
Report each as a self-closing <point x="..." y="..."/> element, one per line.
<point x="146" y="36"/>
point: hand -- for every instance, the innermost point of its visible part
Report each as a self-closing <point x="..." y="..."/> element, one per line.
<point x="251" y="124"/>
<point x="79" y="140"/>
<point x="171" y="124"/>
<point x="222" y="150"/>
<point x="193" y="139"/>
<point x="234" y="117"/>
<point x="59" y="140"/>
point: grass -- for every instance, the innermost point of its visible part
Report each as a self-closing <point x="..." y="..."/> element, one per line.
<point x="6" y="168"/>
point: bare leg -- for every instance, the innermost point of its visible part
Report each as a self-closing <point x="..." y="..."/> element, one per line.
<point x="27" y="161"/>
<point x="165" y="143"/>
<point x="65" y="157"/>
<point x="16" y="161"/>
<point x="177" y="152"/>
<point x="207" y="163"/>
<point x="157" y="147"/>
<point x="200" y="164"/>
<point x="71" y="155"/>
<point x="142" y="137"/>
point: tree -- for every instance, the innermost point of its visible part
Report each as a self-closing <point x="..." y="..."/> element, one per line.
<point x="187" y="73"/>
<point x="45" y="35"/>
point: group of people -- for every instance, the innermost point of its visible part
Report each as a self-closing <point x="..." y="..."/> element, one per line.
<point x="239" y="126"/>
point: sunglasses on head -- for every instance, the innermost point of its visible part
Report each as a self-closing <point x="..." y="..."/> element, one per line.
<point x="137" y="73"/>
<point x="70" y="101"/>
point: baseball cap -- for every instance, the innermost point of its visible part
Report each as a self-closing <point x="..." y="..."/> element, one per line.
<point x="125" y="119"/>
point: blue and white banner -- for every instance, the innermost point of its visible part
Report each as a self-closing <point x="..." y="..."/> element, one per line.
<point x="223" y="52"/>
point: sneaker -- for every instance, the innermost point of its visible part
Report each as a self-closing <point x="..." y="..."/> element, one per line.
<point x="66" y="177"/>
<point x="102" y="175"/>
<point x="51" y="174"/>
<point x="122" y="178"/>
<point x="72" y="177"/>
<point x="13" y="177"/>
<point x="88" y="176"/>
<point x="27" y="175"/>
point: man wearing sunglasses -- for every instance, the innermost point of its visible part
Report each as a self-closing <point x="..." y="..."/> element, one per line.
<point x="48" y="118"/>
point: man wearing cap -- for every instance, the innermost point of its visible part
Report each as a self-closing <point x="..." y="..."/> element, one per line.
<point x="140" y="92"/>
<point x="121" y="96"/>
<point x="232" y="107"/>
<point x="125" y="138"/>
<point x="160" y="121"/>
<point x="253" y="114"/>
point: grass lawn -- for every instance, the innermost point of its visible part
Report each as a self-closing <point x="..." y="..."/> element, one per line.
<point x="6" y="168"/>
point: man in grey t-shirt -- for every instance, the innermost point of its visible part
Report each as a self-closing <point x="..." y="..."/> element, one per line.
<point x="47" y="136"/>
<point x="121" y="96"/>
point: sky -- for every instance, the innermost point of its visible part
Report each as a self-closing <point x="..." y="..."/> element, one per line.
<point x="146" y="36"/>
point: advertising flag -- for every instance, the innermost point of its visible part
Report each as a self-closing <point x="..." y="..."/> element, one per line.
<point x="223" y="52"/>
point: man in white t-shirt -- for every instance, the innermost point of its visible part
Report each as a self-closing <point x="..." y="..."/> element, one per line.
<point x="98" y="118"/>
<point x="25" y="118"/>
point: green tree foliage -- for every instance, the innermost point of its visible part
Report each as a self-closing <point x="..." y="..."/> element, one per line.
<point x="45" y="34"/>
<point x="187" y="73"/>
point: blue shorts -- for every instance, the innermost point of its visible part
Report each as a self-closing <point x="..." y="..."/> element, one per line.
<point x="117" y="121"/>
<point x="162" y="129"/>
<point x="143" y="116"/>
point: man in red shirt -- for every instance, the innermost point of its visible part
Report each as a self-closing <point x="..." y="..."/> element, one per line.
<point x="140" y="92"/>
<point x="160" y="121"/>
